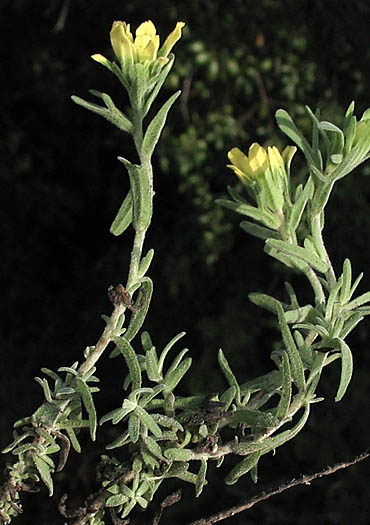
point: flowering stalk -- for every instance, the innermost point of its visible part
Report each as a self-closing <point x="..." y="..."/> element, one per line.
<point x="165" y="434"/>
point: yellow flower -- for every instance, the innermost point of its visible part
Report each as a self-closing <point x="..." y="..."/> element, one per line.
<point x="144" y="47"/>
<point x="248" y="168"/>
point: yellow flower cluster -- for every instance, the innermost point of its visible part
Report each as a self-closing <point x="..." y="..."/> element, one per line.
<point x="249" y="168"/>
<point x="144" y="48"/>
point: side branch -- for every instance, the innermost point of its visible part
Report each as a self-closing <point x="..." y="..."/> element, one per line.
<point x="305" y="479"/>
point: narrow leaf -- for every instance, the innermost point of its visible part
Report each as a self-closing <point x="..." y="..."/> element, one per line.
<point x="242" y="468"/>
<point x="153" y="447"/>
<point x="154" y="129"/>
<point x="124" y="216"/>
<point x="167" y="348"/>
<point x="131" y="360"/>
<point x="286" y="389"/>
<point x="347" y="369"/>
<point x="145" y="263"/>
<point x="268" y="219"/>
<point x="253" y="418"/>
<point x="138" y="317"/>
<point x="347" y="281"/>
<point x="178" y="454"/>
<point x="134" y="427"/>
<point x="151" y="365"/>
<point x="299" y="206"/>
<point x="297" y="252"/>
<point x="201" y="478"/>
<point x="89" y="405"/>
<point x="287" y="126"/>
<point x="172" y="378"/>
<point x="361" y="299"/>
<point x="231" y="379"/>
<point x="148" y="421"/>
<point x="259" y="231"/>
<point x="294" y="357"/>
<point x="45" y="473"/>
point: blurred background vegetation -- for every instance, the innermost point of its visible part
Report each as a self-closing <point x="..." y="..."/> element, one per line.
<point x="61" y="186"/>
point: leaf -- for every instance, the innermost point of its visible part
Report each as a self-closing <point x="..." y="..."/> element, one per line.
<point x="45" y="386"/>
<point x="116" y="500"/>
<point x="361" y="299"/>
<point x="145" y="263"/>
<point x="159" y="81"/>
<point x="167" y="348"/>
<point x="264" y="300"/>
<point x="134" y="427"/>
<point x="267" y="218"/>
<point x="231" y="379"/>
<point x="347" y="281"/>
<point x="116" y="117"/>
<point x="201" y="478"/>
<point x="178" y="454"/>
<point x="253" y="418"/>
<point x="286" y="389"/>
<point x="297" y="252"/>
<point x="167" y="422"/>
<point x="242" y="468"/>
<point x="154" y="129"/>
<point x="173" y="377"/>
<point x="228" y="397"/>
<point x="294" y="357"/>
<point x="287" y="126"/>
<point x="259" y="231"/>
<point x="332" y="298"/>
<point x="151" y="365"/>
<point x="73" y="439"/>
<point x="142" y="194"/>
<point x="45" y="473"/>
<point x="350" y="324"/>
<point x="138" y="317"/>
<point x="175" y="363"/>
<point x="153" y="447"/>
<point x="287" y="260"/>
<point x="89" y="405"/>
<point x="123" y="218"/>
<point x="355" y="284"/>
<point x="148" y="421"/>
<point x="123" y="439"/>
<point x="347" y="369"/>
<point x="131" y="360"/>
<point x="245" y="448"/>
<point x="299" y="206"/>
<point x="17" y="441"/>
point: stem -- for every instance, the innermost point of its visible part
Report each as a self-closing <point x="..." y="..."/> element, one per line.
<point x="136" y="252"/>
<point x="103" y="341"/>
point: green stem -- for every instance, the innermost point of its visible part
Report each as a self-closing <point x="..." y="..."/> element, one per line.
<point x="136" y="253"/>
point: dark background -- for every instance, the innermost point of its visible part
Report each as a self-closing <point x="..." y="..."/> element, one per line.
<point x="61" y="186"/>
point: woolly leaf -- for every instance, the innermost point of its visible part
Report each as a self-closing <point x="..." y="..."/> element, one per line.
<point x="44" y="470"/>
<point x="231" y="379"/>
<point x="131" y="360"/>
<point x="242" y="468"/>
<point x="294" y="357"/>
<point x="154" y="129"/>
<point x="89" y="405"/>
<point x="347" y="369"/>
